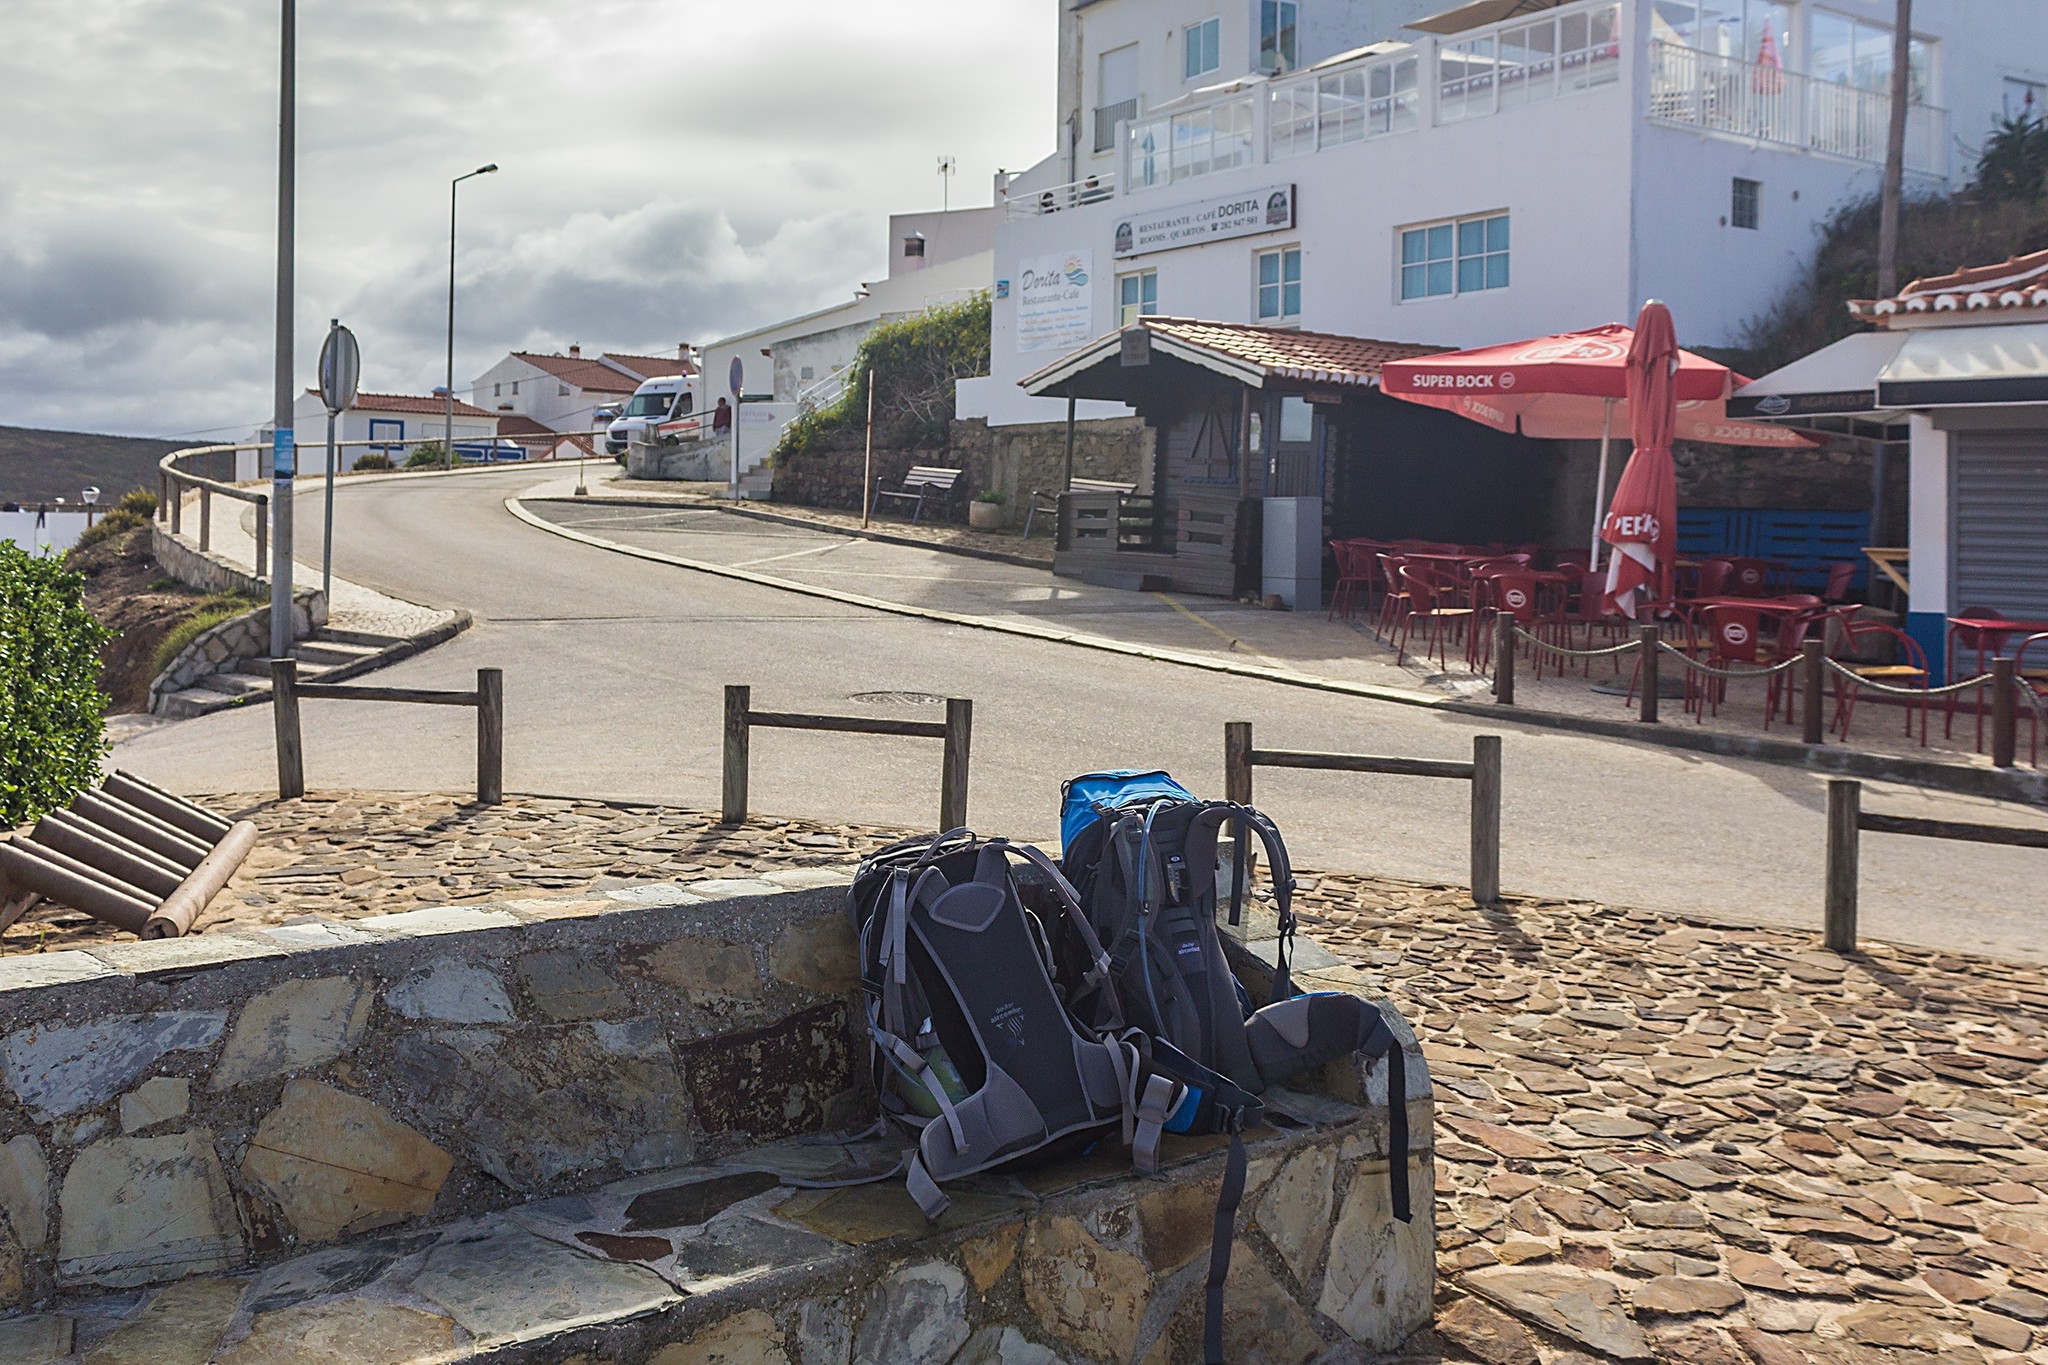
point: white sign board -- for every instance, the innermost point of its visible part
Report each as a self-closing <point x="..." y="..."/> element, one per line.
<point x="1211" y="220"/>
<point x="1055" y="302"/>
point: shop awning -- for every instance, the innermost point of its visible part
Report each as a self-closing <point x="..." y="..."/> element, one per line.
<point x="1835" y="381"/>
<point x="1952" y="366"/>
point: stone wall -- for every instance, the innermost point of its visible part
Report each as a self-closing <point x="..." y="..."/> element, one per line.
<point x="1009" y="460"/>
<point x="203" y="1104"/>
<point x="217" y="648"/>
<point x="708" y="461"/>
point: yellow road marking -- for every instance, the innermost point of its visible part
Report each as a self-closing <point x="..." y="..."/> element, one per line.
<point x="1206" y="624"/>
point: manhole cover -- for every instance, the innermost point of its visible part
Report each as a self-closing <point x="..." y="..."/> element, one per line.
<point x="897" y="699"/>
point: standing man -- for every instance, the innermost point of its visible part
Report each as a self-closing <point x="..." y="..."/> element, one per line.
<point x="721" y="418"/>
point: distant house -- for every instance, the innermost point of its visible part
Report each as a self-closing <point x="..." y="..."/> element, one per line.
<point x="396" y="421"/>
<point x="562" y="392"/>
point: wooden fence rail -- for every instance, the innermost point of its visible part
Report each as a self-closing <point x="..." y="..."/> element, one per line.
<point x="1847" y="820"/>
<point x="488" y="699"/>
<point x="741" y="720"/>
<point x="1483" y="772"/>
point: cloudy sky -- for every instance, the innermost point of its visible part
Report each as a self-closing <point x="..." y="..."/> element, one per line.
<point x="673" y="170"/>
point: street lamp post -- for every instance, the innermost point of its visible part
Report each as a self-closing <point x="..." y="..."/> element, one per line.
<point x="448" y="427"/>
<point x="284" y="455"/>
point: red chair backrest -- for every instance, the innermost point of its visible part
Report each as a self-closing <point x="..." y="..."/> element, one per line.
<point x="1350" y="563"/>
<point x="1839" y="579"/>
<point x="1908" y="647"/>
<point x="1714" y="576"/>
<point x="1735" y="632"/>
<point x="1515" y="594"/>
<point x="1593" y="594"/>
<point x="1748" y="577"/>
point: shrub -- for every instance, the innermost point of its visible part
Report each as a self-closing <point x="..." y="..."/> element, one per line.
<point x="425" y="455"/>
<point x="118" y="522"/>
<point x="52" y="731"/>
<point x="2014" y="162"/>
<point x="376" y="459"/>
<point x="140" y="501"/>
<point x="993" y="495"/>
<point x="205" y="616"/>
<point x="915" y="362"/>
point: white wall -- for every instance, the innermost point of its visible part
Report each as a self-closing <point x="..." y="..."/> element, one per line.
<point x="58" y="531"/>
<point x="540" y="395"/>
<point x="309" y="425"/>
<point x="949" y="235"/>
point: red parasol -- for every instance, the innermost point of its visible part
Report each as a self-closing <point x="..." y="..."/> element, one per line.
<point x="1642" y="520"/>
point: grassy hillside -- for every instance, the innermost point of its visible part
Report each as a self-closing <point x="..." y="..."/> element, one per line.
<point x="42" y="466"/>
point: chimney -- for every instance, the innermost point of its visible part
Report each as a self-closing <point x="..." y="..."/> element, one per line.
<point x="575" y="351"/>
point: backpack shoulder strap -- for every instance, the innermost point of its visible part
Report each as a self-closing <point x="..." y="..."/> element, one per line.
<point x="1099" y="976"/>
<point x="1202" y="835"/>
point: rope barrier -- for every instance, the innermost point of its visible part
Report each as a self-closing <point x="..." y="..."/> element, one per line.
<point x="1782" y="666"/>
<point x="1888" y="689"/>
<point x="1625" y="648"/>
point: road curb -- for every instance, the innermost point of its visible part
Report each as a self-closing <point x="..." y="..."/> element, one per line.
<point x="2009" y="785"/>
<point x="1103" y="643"/>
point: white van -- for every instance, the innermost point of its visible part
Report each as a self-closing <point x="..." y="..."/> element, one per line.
<point x="654" y="402"/>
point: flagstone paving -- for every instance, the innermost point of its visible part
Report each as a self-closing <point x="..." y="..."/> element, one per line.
<point x="1658" y="1138"/>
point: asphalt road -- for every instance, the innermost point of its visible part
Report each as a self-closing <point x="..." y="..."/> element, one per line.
<point x="614" y="668"/>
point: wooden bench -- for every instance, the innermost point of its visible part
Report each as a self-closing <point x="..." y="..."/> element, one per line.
<point x="922" y="481"/>
<point x="1048" y="500"/>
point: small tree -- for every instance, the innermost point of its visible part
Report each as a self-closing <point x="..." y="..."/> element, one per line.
<point x="2014" y="164"/>
<point x="425" y="455"/>
<point x="52" y="712"/>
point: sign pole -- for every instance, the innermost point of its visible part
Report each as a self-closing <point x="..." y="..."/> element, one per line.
<point x="867" y="468"/>
<point x="284" y="458"/>
<point x="327" y="529"/>
<point x="736" y="381"/>
<point x="341" y="366"/>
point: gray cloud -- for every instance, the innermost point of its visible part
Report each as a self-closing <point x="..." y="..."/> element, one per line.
<point x="672" y="171"/>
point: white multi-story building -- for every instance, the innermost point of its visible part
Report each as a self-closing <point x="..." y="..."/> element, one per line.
<point x="1510" y="168"/>
<point x="562" y="393"/>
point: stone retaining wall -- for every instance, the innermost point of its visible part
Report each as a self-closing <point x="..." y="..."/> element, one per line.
<point x="242" y="637"/>
<point x="202" y="1104"/>
<point x="707" y="461"/>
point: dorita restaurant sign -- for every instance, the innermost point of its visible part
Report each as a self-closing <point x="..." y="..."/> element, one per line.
<point x="1211" y="220"/>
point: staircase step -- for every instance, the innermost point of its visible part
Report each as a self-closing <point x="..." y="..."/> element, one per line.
<point x="331" y="635"/>
<point x="232" y="685"/>
<point x="331" y="651"/>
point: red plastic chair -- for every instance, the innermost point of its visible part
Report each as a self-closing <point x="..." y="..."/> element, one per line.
<point x="1537" y="607"/>
<point x="1748" y="578"/>
<point x="1394" y="603"/>
<point x="1910" y="670"/>
<point x="1735" y="636"/>
<point x="1432" y="599"/>
<point x="1840" y="577"/>
<point x="1354" y="571"/>
<point x="1589" y="609"/>
<point x="1714" y="576"/>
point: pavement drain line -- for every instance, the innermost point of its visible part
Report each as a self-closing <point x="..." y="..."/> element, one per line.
<point x="1022" y="630"/>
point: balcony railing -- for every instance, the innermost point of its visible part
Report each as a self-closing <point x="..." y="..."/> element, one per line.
<point x="1771" y="104"/>
<point x="1107" y="117"/>
<point x="1092" y="189"/>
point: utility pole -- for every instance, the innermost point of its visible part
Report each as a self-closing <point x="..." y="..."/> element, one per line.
<point x="448" y="393"/>
<point x="947" y="165"/>
<point x="284" y="459"/>
<point x="1895" y="154"/>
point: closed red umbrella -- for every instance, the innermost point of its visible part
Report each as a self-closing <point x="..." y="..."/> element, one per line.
<point x="1642" y="520"/>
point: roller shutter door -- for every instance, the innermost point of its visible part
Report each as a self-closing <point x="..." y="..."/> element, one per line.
<point x="2002" y="522"/>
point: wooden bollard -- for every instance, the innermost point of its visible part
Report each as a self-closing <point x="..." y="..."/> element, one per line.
<point x="953" y="769"/>
<point x="1838" y="910"/>
<point x="1237" y="761"/>
<point x="2004" y="713"/>
<point x="490" y="736"/>
<point x="1810" y="669"/>
<point x="732" y="806"/>
<point x="284" y="709"/>
<point x="1504" y="654"/>
<point x="1486" y="819"/>
<point x="1646" y="704"/>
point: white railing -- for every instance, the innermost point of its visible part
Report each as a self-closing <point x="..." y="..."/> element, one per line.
<point x="1350" y="103"/>
<point x="1516" y="64"/>
<point x="1092" y="189"/>
<point x="1190" y="144"/>
<point x="1771" y="104"/>
<point x="827" y="391"/>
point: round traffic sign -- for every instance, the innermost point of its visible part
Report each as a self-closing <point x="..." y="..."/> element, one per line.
<point x="341" y="368"/>
<point x="736" y="377"/>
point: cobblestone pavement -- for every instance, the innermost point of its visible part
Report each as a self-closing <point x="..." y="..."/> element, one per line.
<point x="1658" y="1138"/>
<point x="343" y="855"/>
<point x="1678" y="1140"/>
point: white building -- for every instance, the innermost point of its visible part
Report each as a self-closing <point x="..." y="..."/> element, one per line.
<point x="562" y="392"/>
<point x="395" y="421"/>
<point x="934" y="258"/>
<point x="1508" y="169"/>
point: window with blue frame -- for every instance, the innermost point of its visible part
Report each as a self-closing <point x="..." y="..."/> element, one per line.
<point x="1459" y="256"/>
<point x="1204" y="48"/>
<point x="1280" y="285"/>
<point x="1137" y="296"/>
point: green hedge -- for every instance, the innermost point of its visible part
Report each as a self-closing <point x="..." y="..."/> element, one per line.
<point x="915" y="362"/>
<point x="52" y="712"/>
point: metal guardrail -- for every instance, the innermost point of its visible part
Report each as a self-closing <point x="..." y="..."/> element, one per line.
<point x="1092" y="189"/>
<point x="1483" y="772"/>
<point x="741" y="720"/>
<point x="127" y="853"/>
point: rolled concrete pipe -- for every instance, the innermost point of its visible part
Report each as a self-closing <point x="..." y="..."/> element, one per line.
<point x="71" y="819"/>
<point x="55" y="877"/>
<point x="173" y="919"/>
<point x="145" y="829"/>
<point x="173" y="810"/>
<point x="143" y="873"/>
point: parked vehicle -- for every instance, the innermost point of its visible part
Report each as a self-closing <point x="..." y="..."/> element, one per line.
<point x="654" y="402"/>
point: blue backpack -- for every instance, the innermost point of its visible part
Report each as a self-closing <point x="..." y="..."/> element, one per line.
<point x="1140" y="851"/>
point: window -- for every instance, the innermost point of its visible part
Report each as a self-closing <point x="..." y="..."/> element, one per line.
<point x="1204" y="48"/>
<point x="1116" y="93"/>
<point x="1759" y="31"/>
<point x="497" y="390"/>
<point x="1743" y="202"/>
<point x="1278" y="46"/>
<point x="1347" y="105"/>
<point x="913" y="246"/>
<point x="1218" y="138"/>
<point x="1462" y="256"/>
<point x="1279" y="274"/>
<point x="1529" y="62"/>
<point x="1137" y="296"/>
<point x="1849" y="52"/>
<point x="515" y="388"/>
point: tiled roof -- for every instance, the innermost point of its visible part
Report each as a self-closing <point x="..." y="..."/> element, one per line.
<point x="651" y="366"/>
<point x="411" y="402"/>
<point x="518" y="424"/>
<point x="589" y="375"/>
<point x="2020" y="283"/>
<point x="1288" y="353"/>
